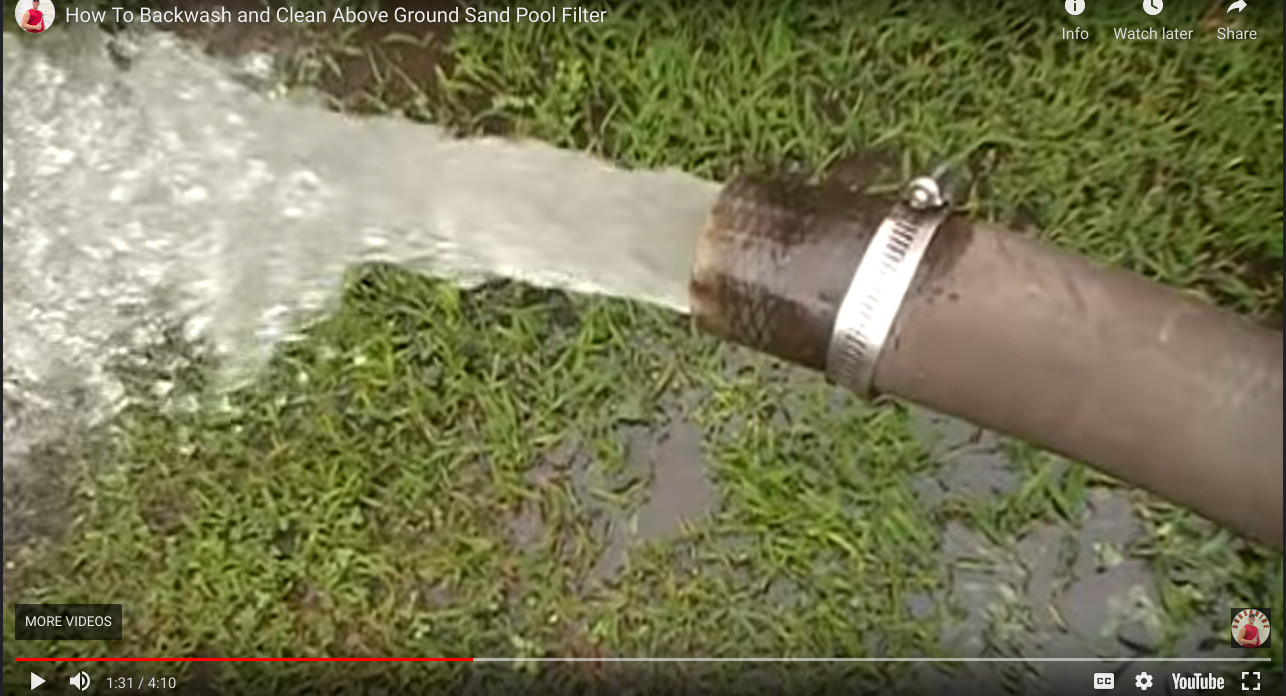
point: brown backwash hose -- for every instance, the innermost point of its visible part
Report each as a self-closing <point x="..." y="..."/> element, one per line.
<point x="1096" y="364"/>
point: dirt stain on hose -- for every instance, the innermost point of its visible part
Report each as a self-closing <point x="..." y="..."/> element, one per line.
<point x="774" y="261"/>
<point x="949" y="244"/>
<point x="775" y="258"/>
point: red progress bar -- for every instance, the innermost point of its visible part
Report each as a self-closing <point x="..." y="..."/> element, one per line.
<point x="243" y="659"/>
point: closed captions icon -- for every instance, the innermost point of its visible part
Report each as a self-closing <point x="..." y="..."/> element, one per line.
<point x="1104" y="680"/>
<point x="1074" y="7"/>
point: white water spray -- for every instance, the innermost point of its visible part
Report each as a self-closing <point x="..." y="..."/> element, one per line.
<point x="145" y="185"/>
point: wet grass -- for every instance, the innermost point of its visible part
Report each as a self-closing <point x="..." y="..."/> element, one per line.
<point x="359" y="499"/>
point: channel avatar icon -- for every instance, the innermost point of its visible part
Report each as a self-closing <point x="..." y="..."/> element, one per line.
<point x="34" y="16"/>
<point x="1250" y="628"/>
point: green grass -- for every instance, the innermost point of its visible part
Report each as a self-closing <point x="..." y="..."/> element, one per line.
<point x="1162" y="158"/>
<point x="357" y="500"/>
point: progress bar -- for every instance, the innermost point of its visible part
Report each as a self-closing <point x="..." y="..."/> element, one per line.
<point x="644" y="659"/>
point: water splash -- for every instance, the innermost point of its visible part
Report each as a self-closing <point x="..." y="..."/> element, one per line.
<point x="147" y="185"/>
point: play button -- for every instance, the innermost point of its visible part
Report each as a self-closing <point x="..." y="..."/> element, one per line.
<point x="36" y="680"/>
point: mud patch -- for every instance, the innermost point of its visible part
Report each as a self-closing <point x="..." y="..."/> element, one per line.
<point x="785" y="593"/>
<point x="1110" y="603"/>
<point x="1051" y="593"/>
<point x="976" y="573"/>
<point x="920" y="606"/>
<point x="433" y="596"/>
<point x="1097" y="606"/>
<point x="670" y="460"/>
<point x="1047" y="555"/>
<point x="681" y="486"/>
<point x="1058" y="590"/>
<point x="527" y="527"/>
<point x="972" y="462"/>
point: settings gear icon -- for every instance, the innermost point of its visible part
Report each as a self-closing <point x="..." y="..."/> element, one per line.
<point x="1143" y="681"/>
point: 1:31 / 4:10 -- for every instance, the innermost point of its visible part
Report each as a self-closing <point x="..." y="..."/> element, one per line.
<point x="140" y="683"/>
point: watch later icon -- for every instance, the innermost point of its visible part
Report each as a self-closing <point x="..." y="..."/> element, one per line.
<point x="1239" y="5"/>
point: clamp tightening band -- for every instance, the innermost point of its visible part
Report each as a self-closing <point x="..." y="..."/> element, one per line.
<point x="879" y="285"/>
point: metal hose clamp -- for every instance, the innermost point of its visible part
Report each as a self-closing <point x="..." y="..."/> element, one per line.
<point x="879" y="285"/>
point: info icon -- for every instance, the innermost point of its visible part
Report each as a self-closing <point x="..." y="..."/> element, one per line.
<point x="1250" y="628"/>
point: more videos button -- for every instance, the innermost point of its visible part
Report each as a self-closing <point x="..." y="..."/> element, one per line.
<point x="67" y="622"/>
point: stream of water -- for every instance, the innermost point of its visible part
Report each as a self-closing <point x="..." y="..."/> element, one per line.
<point x="146" y="184"/>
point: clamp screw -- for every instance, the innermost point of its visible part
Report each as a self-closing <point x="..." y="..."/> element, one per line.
<point x="925" y="194"/>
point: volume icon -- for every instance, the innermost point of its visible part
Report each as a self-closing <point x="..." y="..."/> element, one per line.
<point x="80" y="680"/>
